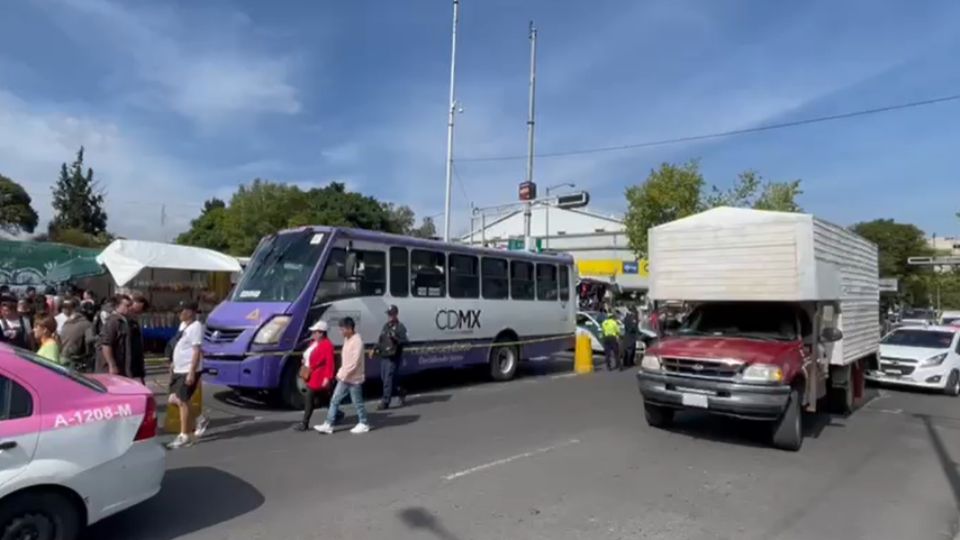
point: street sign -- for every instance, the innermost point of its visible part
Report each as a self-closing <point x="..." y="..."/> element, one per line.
<point x="528" y="191"/>
<point x="631" y="267"/>
<point x="889" y="285"/>
<point x="516" y="244"/>
<point x="574" y="200"/>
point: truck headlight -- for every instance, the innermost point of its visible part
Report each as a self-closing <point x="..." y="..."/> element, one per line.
<point x="650" y="362"/>
<point x="934" y="360"/>
<point x="762" y="373"/>
<point x="269" y="334"/>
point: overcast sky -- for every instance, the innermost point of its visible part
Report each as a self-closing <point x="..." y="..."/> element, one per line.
<point x="177" y="101"/>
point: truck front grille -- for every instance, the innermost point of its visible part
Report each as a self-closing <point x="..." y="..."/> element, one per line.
<point x="221" y="336"/>
<point x="701" y="368"/>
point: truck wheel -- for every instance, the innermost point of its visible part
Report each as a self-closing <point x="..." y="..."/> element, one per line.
<point x="953" y="384"/>
<point x="658" y="416"/>
<point x="788" y="430"/>
<point x="44" y="515"/>
<point x="504" y="360"/>
<point x="289" y="391"/>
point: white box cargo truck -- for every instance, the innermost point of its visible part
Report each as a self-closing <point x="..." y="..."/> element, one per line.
<point x="785" y="313"/>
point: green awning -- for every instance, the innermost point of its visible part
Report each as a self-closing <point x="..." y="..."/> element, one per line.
<point x="31" y="263"/>
<point x="79" y="267"/>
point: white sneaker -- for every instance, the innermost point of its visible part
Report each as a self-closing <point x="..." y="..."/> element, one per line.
<point x="202" y="425"/>
<point x="360" y="428"/>
<point x="182" y="441"/>
<point x="323" y="428"/>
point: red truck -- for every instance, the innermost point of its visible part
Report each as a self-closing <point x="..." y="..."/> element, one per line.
<point x="784" y="318"/>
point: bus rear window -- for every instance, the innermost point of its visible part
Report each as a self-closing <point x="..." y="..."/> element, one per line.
<point x="63" y="371"/>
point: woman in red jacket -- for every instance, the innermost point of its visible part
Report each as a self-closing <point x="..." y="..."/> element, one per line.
<point x="317" y="370"/>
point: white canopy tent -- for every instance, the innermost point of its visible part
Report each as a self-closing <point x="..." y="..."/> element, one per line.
<point x="125" y="259"/>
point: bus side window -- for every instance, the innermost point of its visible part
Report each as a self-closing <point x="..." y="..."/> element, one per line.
<point x="399" y="272"/>
<point x="427" y="273"/>
<point x="496" y="278"/>
<point x="564" y="283"/>
<point x="521" y="280"/>
<point x="464" y="277"/>
<point x="546" y="282"/>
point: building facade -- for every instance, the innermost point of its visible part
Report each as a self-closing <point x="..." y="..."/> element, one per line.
<point x="597" y="242"/>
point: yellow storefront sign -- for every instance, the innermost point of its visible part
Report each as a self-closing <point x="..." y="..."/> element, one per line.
<point x="613" y="267"/>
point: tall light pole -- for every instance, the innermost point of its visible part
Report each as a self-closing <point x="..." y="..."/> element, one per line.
<point x="533" y="93"/>
<point x="450" y="117"/>
<point x="570" y="185"/>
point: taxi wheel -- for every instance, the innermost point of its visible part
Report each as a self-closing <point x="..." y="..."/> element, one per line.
<point x="42" y="515"/>
<point x="953" y="384"/>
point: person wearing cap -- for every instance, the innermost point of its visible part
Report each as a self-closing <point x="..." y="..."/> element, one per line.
<point x="185" y="374"/>
<point x="317" y="370"/>
<point x="350" y="379"/>
<point x="390" y="350"/>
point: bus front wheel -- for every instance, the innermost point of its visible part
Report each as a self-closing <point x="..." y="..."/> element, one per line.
<point x="289" y="393"/>
<point x="504" y="360"/>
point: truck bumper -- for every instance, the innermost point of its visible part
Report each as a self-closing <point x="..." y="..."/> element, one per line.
<point x="751" y="401"/>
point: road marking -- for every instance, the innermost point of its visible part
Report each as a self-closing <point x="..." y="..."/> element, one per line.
<point x="506" y="460"/>
<point x="563" y="376"/>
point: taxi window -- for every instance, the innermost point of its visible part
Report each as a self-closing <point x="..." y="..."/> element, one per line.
<point x="15" y="400"/>
<point x="63" y="371"/>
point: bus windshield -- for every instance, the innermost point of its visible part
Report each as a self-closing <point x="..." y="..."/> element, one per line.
<point x="280" y="268"/>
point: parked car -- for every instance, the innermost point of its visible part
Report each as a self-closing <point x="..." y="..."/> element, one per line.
<point x="949" y="318"/>
<point x="922" y="357"/>
<point x="74" y="449"/>
<point x="589" y="322"/>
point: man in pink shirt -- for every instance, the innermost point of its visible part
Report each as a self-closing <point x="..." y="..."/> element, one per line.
<point x="350" y="378"/>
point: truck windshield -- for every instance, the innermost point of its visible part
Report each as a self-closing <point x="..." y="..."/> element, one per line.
<point x="280" y="268"/>
<point x="751" y="321"/>
<point x="919" y="338"/>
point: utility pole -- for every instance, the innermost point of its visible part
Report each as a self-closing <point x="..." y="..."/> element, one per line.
<point x="527" y="207"/>
<point x="450" y="117"/>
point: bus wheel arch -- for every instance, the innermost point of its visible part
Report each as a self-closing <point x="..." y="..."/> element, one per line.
<point x="288" y="393"/>
<point x="504" y="357"/>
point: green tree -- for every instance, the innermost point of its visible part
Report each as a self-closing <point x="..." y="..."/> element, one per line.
<point x="265" y="207"/>
<point x="16" y="211"/>
<point x="896" y="242"/>
<point x="402" y="218"/>
<point x="427" y="229"/>
<point x="676" y="191"/>
<point x="78" y="200"/>
<point x="670" y="192"/>
<point x="208" y="229"/>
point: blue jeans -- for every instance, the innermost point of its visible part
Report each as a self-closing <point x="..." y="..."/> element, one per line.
<point x="392" y="383"/>
<point x="356" y="396"/>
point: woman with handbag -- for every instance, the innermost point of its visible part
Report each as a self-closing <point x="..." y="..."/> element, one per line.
<point x="317" y="370"/>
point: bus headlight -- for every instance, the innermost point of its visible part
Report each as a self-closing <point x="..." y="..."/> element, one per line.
<point x="269" y="334"/>
<point x="762" y="373"/>
<point x="650" y="362"/>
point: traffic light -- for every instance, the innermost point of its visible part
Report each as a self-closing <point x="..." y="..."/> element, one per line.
<point x="575" y="200"/>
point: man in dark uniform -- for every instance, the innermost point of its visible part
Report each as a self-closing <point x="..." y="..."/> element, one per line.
<point x="121" y="342"/>
<point x="631" y="331"/>
<point x="390" y="350"/>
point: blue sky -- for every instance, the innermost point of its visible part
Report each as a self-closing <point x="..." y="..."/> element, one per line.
<point x="177" y="101"/>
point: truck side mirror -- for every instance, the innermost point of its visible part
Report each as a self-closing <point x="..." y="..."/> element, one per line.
<point x="831" y="334"/>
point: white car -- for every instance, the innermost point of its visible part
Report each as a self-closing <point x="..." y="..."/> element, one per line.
<point x="74" y="449"/>
<point x="921" y="356"/>
<point x="589" y="324"/>
<point x="950" y="318"/>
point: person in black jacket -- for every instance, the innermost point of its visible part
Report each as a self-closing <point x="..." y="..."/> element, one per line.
<point x="390" y="350"/>
<point x="631" y="332"/>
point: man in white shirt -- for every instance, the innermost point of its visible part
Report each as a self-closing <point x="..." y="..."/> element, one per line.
<point x="185" y="373"/>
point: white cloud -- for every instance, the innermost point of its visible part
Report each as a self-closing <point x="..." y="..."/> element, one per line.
<point x="207" y="74"/>
<point x="137" y="179"/>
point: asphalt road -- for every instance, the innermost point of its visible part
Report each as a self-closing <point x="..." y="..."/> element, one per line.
<point x="557" y="456"/>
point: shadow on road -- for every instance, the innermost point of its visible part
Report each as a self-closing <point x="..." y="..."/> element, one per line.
<point x="176" y="511"/>
<point x="743" y="432"/>
<point x="421" y="519"/>
<point x="251" y="429"/>
<point x="947" y="463"/>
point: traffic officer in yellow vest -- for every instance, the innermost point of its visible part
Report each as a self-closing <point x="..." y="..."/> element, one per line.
<point x="611" y="342"/>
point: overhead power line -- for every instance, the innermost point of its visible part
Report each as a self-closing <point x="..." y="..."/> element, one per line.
<point x="719" y="134"/>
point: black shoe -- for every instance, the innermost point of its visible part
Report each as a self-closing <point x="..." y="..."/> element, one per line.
<point x="383" y="406"/>
<point x="299" y="426"/>
<point x="403" y="401"/>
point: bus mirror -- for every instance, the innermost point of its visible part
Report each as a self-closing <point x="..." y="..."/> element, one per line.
<point x="350" y="265"/>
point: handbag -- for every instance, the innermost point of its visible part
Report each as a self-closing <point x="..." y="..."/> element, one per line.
<point x="305" y="373"/>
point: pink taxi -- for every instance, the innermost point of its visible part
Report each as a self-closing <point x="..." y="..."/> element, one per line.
<point x="74" y="449"/>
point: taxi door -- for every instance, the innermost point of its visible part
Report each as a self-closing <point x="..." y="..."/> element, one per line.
<point x="19" y="426"/>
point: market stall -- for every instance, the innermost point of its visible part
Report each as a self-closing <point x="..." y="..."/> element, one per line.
<point x="168" y="274"/>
